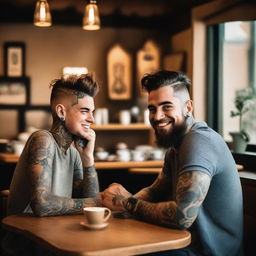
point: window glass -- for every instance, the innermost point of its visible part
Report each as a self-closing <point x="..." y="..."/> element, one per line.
<point x="238" y="76"/>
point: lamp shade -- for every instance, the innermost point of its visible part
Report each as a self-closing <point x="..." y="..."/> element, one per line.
<point x="42" y="15"/>
<point x="91" y="19"/>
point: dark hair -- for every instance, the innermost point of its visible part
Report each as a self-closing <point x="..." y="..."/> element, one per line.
<point x="154" y="81"/>
<point x="80" y="85"/>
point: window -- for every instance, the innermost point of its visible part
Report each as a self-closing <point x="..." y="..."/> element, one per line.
<point x="232" y="67"/>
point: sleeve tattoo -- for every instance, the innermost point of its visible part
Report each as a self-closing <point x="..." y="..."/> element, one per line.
<point x="191" y="190"/>
<point x="89" y="186"/>
<point x="43" y="202"/>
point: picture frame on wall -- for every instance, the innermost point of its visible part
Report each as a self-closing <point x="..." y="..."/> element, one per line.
<point x="14" y="59"/>
<point x="14" y="91"/>
<point x="148" y="61"/>
<point x="119" y="69"/>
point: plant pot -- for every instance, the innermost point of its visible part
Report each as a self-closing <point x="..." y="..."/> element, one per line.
<point x="239" y="142"/>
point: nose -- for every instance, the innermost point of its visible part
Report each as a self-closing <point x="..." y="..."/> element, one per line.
<point x="90" y="118"/>
<point x="159" y="114"/>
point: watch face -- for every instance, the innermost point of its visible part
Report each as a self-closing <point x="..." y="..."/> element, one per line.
<point x="132" y="201"/>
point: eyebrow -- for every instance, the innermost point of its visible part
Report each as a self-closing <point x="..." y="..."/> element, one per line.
<point x="88" y="109"/>
<point x="161" y="103"/>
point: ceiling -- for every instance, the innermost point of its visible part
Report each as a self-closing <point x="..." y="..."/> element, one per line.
<point x="114" y="13"/>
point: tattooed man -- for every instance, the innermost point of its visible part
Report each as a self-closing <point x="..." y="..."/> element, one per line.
<point x="199" y="188"/>
<point x="57" y="165"/>
<point x="50" y="168"/>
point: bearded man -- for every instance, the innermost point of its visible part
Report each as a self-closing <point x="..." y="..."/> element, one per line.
<point x="199" y="187"/>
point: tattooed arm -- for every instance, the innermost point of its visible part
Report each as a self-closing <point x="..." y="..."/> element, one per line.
<point x="114" y="195"/>
<point x="89" y="186"/>
<point x="191" y="190"/>
<point x="43" y="201"/>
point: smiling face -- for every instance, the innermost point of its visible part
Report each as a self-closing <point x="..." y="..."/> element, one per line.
<point x="167" y="114"/>
<point x="79" y="116"/>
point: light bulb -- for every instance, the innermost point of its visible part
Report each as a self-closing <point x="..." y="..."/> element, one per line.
<point x="42" y="15"/>
<point x="91" y="20"/>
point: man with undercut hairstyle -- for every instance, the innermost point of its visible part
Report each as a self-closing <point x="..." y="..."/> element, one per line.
<point x="199" y="187"/>
<point x="58" y="164"/>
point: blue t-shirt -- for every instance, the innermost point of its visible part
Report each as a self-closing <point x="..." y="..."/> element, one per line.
<point x="218" y="228"/>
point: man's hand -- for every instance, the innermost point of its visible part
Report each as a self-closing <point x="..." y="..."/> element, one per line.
<point x="114" y="197"/>
<point x="86" y="151"/>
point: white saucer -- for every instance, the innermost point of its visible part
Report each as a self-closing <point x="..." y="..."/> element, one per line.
<point x="94" y="226"/>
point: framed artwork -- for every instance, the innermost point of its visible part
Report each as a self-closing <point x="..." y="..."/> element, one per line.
<point x="14" y="91"/>
<point x="119" y="69"/>
<point x="14" y="59"/>
<point x="148" y="61"/>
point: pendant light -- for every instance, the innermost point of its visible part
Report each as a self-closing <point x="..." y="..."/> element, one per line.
<point x="91" y="19"/>
<point x="42" y="15"/>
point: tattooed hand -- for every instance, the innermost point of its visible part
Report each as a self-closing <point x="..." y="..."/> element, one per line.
<point x="85" y="147"/>
<point x="113" y="197"/>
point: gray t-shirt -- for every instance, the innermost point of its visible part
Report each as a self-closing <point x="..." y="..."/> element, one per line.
<point x="65" y="167"/>
<point x="218" y="228"/>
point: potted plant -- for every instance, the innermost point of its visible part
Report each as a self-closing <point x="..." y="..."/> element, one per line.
<point x="243" y="101"/>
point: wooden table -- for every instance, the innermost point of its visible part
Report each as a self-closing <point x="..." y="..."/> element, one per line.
<point x="65" y="236"/>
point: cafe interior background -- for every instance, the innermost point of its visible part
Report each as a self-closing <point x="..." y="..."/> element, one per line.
<point x="213" y="42"/>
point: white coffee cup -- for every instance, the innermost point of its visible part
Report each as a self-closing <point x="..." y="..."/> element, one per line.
<point x="157" y="154"/>
<point x="18" y="147"/>
<point x="123" y="155"/>
<point x="137" y="156"/>
<point x="105" y="116"/>
<point x="125" y="117"/>
<point x="96" y="215"/>
<point x="98" y="116"/>
<point x="102" y="155"/>
<point x="101" y="116"/>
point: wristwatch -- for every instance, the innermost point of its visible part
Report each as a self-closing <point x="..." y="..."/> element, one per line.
<point x="131" y="204"/>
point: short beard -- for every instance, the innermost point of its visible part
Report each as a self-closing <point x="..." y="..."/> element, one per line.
<point x="172" y="138"/>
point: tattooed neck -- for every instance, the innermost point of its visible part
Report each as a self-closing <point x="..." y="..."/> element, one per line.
<point x="61" y="135"/>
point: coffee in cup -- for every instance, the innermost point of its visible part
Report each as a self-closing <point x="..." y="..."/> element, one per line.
<point x="96" y="215"/>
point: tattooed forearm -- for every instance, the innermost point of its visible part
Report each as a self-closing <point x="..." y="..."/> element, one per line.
<point x="146" y="194"/>
<point x="46" y="204"/>
<point x="90" y="184"/>
<point x="192" y="188"/>
<point x="164" y="213"/>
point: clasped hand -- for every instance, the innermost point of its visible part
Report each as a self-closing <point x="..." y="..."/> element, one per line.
<point x="114" y="197"/>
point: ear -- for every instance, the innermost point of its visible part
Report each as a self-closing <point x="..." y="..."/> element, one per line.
<point x="189" y="107"/>
<point x="60" y="111"/>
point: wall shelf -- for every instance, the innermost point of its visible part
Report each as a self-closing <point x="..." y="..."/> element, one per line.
<point x="116" y="126"/>
<point x="108" y="135"/>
